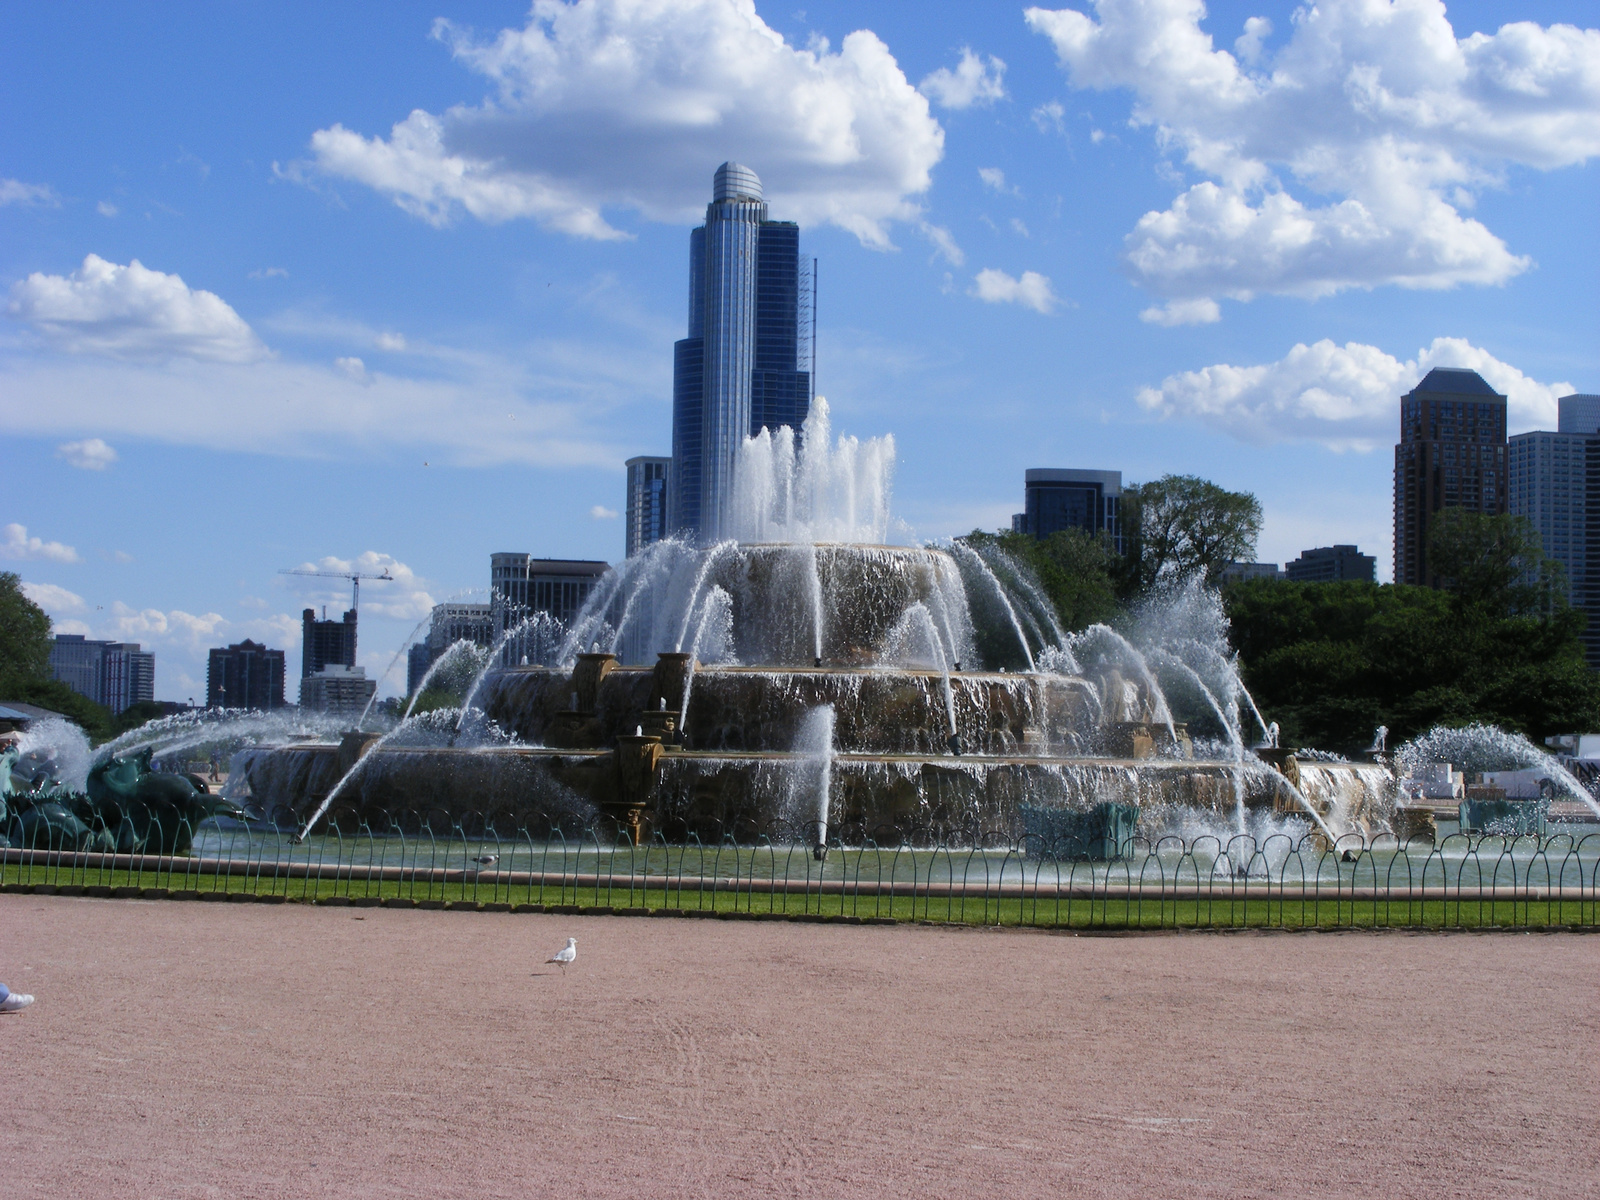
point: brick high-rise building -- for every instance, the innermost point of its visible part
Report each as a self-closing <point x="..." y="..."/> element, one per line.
<point x="1452" y="454"/>
<point x="245" y="675"/>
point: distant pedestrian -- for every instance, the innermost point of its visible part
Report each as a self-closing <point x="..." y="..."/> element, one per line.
<point x="13" y="1001"/>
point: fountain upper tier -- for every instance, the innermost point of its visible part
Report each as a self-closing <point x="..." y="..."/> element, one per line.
<point x="780" y="605"/>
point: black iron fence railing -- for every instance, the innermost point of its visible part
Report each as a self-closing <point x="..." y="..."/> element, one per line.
<point x="942" y="875"/>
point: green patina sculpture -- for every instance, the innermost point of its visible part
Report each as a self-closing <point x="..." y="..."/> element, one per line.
<point x="129" y="809"/>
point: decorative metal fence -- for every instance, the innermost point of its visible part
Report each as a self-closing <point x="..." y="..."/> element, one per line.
<point x="1458" y="881"/>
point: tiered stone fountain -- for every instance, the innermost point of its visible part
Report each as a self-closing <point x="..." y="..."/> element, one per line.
<point x="685" y="700"/>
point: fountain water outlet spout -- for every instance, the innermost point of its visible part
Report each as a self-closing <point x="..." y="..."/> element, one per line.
<point x="817" y="662"/>
<point x="820" y="852"/>
<point x="954" y="742"/>
<point x="958" y="664"/>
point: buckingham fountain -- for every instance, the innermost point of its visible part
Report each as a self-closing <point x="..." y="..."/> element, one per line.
<point x="804" y="709"/>
<point x="805" y="681"/>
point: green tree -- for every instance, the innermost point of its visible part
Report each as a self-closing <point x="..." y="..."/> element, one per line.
<point x="1181" y="526"/>
<point x="1332" y="661"/>
<point x="25" y="662"/>
<point x="1494" y="561"/>
<point x="24" y="634"/>
<point x="1073" y="569"/>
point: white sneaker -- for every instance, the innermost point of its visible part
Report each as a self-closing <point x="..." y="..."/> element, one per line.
<point x="15" y="1002"/>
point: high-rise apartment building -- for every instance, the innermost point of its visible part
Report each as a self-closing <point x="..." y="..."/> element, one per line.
<point x="646" y="513"/>
<point x="115" y="674"/>
<point x="1554" y="481"/>
<point x="1330" y="564"/>
<point x="1452" y="454"/>
<point x="1063" y="499"/>
<point x="746" y="362"/>
<point x="326" y="643"/>
<point x="245" y="675"/>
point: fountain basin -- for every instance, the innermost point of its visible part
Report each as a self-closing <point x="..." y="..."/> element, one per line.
<point x="749" y="795"/>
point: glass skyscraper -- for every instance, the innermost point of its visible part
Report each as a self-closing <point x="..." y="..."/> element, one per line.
<point x="739" y="369"/>
<point x="1553" y="479"/>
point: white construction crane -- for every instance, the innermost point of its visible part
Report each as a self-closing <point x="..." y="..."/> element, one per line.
<point x="355" y="578"/>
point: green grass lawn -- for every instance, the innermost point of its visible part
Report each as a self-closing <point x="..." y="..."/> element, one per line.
<point x="1222" y="911"/>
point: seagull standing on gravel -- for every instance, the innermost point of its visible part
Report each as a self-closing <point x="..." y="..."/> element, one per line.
<point x="565" y="955"/>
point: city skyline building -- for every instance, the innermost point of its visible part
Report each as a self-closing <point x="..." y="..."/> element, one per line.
<point x="521" y="587"/>
<point x="1331" y="564"/>
<point x="1239" y="572"/>
<point x="245" y="675"/>
<point x="1451" y="454"/>
<point x="1055" y="499"/>
<point x="649" y="482"/>
<point x="1553" y="480"/>
<point x="1578" y="413"/>
<point x="113" y="674"/>
<point x="746" y="362"/>
<point x="324" y="643"/>
<point x="338" y="689"/>
<point x="451" y="622"/>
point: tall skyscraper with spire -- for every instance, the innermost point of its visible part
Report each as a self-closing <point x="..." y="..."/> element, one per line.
<point x="746" y="362"/>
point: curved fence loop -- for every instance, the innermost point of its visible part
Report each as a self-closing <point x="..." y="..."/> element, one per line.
<point x="930" y="872"/>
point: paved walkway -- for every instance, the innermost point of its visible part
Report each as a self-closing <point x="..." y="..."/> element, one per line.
<point x="182" y="1050"/>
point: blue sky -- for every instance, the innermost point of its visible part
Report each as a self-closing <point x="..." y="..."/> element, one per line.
<point x="407" y="288"/>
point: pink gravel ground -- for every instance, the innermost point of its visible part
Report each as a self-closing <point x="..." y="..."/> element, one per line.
<point x="182" y="1050"/>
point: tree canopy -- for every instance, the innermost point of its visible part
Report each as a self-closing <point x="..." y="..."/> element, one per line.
<point x="24" y="634"/>
<point x="1181" y="526"/>
<point x="1494" y="561"/>
<point x="1332" y="661"/>
<point x="25" y="662"/>
<point x="1074" y="570"/>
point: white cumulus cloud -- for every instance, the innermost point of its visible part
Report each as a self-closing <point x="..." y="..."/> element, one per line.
<point x="601" y="513"/>
<point x="53" y="599"/>
<point x="1342" y="157"/>
<point x="132" y="312"/>
<point x="91" y="454"/>
<point x="18" y="544"/>
<point x="1345" y="397"/>
<point x="175" y="625"/>
<point x="631" y="104"/>
<point x="975" y="80"/>
<point x="1201" y="311"/>
<point x="1032" y="290"/>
